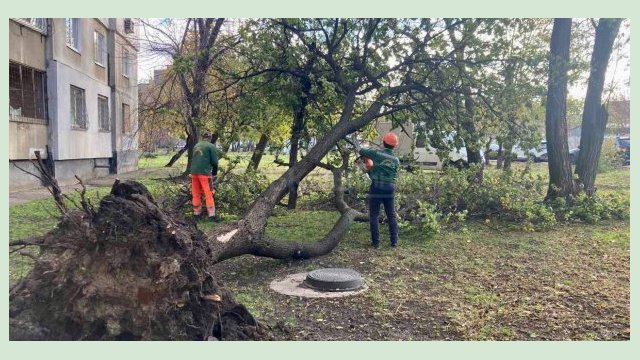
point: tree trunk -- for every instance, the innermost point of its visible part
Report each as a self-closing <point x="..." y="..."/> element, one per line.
<point x="247" y="237"/>
<point x="500" y="157"/>
<point x="560" y="179"/>
<point x="296" y="133"/>
<point x="258" y="152"/>
<point x="177" y="155"/>
<point x="594" y="115"/>
<point x="192" y="140"/>
<point x="487" y="149"/>
<point x="471" y="143"/>
<point x="508" y="157"/>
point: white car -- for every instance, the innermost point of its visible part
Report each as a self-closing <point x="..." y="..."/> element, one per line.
<point x="427" y="157"/>
<point x="536" y="154"/>
<point x="424" y="156"/>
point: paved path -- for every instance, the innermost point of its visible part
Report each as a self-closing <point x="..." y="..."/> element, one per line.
<point x="26" y="195"/>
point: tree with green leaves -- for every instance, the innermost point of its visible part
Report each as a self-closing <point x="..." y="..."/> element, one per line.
<point x="193" y="52"/>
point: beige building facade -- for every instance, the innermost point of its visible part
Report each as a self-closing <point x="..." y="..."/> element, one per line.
<point x="73" y="89"/>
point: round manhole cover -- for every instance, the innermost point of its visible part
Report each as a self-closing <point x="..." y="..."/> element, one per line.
<point x="334" y="279"/>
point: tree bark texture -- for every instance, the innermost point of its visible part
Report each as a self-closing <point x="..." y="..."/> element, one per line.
<point x="560" y="178"/>
<point x="258" y="152"/>
<point x="594" y="115"/>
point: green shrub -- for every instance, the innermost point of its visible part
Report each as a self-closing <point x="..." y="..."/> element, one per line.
<point x="238" y="191"/>
<point x="429" y="201"/>
<point x="610" y="157"/>
<point x="591" y="209"/>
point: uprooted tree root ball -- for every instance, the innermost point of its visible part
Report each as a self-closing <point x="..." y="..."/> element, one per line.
<point x="128" y="271"/>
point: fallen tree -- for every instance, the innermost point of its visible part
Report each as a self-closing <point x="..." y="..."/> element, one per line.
<point x="132" y="270"/>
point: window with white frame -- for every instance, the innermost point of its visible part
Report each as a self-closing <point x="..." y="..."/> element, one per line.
<point x="78" y="108"/>
<point x="103" y="113"/>
<point x="126" y="63"/>
<point x="100" y="53"/>
<point x="73" y="33"/>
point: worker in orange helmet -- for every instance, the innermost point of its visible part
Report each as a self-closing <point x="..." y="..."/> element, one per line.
<point x="383" y="176"/>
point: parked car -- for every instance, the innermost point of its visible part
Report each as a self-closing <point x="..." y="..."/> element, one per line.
<point x="539" y="153"/>
<point x="573" y="155"/>
<point x="416" y="149"/>
<point x="623" y="143"/>
<point x="427" y="156"/>
<point x="180" y="144"/>
<point x="536" y="154"/>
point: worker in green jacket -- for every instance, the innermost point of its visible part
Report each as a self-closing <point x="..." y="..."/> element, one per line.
<point x="383" y="175"/>
<point x="204" y="168"/>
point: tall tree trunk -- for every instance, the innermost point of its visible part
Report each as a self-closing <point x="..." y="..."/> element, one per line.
<point x="560" y="179"/>
<point x="258" y="152"/>
<point x="508" y="157"/>
<point x="471" y="143"/>
<point x="192" y="140"/>
<point x="487" y="149"/>
<point x="296" y="134"/>
<point x="500" y="158"/>
<point x="594" y="115"/>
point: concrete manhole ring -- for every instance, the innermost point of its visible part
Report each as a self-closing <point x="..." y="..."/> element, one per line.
<point x="294" y="285"/>
<point x="334" y="279"/>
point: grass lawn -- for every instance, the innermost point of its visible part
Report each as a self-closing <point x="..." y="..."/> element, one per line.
<point x="568" y="283"/>
<point x="478" y="283"/>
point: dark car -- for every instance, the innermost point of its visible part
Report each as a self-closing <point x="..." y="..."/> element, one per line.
<point x="573" y="155"/>
<point x="544" y="156"/>
<point x="623" y="143"/>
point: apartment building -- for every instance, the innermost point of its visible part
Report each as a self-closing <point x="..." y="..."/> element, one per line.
<point x="73" y="88"/>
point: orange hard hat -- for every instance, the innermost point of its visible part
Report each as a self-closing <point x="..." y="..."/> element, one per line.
<point x="390" y="139"/>
<point x="368" y="163"/>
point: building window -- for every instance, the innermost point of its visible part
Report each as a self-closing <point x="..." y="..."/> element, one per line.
<point x="27" y="94"/>
<point x="78" y="108"/>
<point x="73" y="33"/>
<point x="128" y="26"/>
<point x="126" y="63"/>
<point x="39" y="24"/>
<point x="103" y="113"/>
<point x="126" y="119"/>
<point x="100" y="53"/>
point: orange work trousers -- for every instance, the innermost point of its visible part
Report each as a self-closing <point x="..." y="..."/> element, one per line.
<point x="200" y="186"/>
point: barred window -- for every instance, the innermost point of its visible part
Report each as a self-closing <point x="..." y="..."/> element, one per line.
<point x="78" y="108"/>
<point x="103" y="113"/>
<point x="27" y="94"/>
<point x="128" y="26"/>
